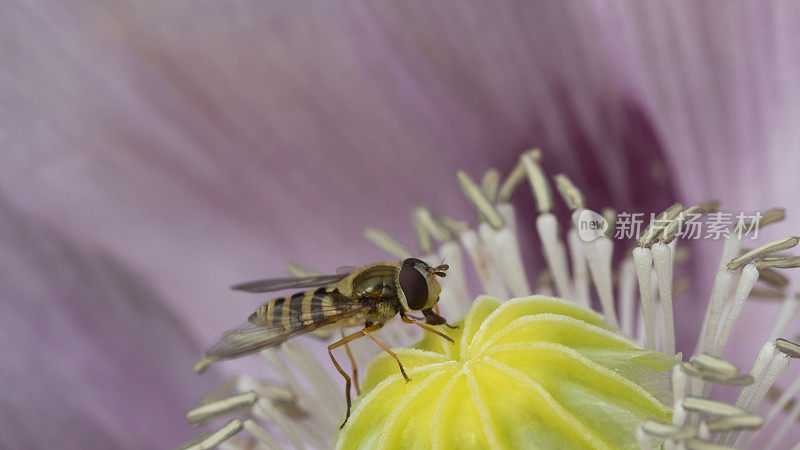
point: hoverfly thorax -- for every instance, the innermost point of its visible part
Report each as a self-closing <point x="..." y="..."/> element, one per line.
<point x="419" y="288"/>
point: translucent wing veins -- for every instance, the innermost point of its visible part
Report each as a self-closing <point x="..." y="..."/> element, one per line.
<point x="250" y="338"/>
<point x="279" y="284"/>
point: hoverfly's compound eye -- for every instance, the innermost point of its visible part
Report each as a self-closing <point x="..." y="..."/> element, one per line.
<point x="414" y="286"/>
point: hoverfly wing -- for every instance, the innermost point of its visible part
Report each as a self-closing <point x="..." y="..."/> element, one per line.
<point x="345" y="270"/>
<point x="299" y="314"/>
<point x="279" y="284"/>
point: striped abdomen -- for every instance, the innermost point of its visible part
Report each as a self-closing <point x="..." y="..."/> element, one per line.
<point x="301" y="309"/>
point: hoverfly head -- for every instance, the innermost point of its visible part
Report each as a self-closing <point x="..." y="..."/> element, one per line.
<point x="418" y="287"/>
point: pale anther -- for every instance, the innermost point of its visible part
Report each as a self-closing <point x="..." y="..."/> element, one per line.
<point x="490" y="184"/>
<point x="697" y="444"/>
<point x="668" y="430"/>
<point x="787" y="347"/>
<point x="714" y="364"/>
<point x="711" y="407"/>
<point x="709" y="206"/>
<point x="670" y="232"/>
<point x="386" y="243"/>
<point x="475" y="196"/>
<point x="220" y="407"/>
<point x="771" y="276"/>
<point x="735" y="422"/>
<point x="538" y="182"/>
<point x="716" y="378"/>
<point x="779" y="263"/>
<point x="769" y="216"/>
<point x="224" y="390"/>
<point x="423" y="238"/>
<point x="572" y="195"/>
<point x="514" y="179"/>
<point x="652" y="232"/>
<point x="772" y="247"/>
<point x="455" y="226"/>
<point x="227" y="431"/>
<point x="767" y="294"/>
<point x="439" y="232"/>
<point x="298" y="270"/>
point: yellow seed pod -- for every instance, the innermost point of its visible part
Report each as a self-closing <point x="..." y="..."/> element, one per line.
<point x="533" y="372"/>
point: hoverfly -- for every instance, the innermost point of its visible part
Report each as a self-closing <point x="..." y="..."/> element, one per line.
<point x="366" y="297"/>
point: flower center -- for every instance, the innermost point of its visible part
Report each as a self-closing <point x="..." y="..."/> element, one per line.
<point x="529" y="372"/>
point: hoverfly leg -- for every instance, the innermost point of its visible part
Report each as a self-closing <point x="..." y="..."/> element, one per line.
<point x="347" y="380"/>
<point x="367" y="330"/>
<point x="352" y="364"/>
<point x="407" y="319"/>
<point x="436" y="310"/>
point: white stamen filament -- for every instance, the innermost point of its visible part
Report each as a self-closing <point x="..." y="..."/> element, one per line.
<point x="544" y="284"/>
<point x="504" y="249"/>
<point x="310" y="366"/>
<point x="454" y="285"/>
<point x="703" y="432"/>
<point x="730" y="250"/>
<point x="493" y="254"/>
<point x="746" y="281"/>
<point x="642" y="438"/>
<point x="789" y="421"/>
<point x="763" y="360"/>
<point x="599" y="253"/>
<point x="292" y="429"/>
<point x="779" y="363"/>
<point x="662" y="258"/>
<point x="509" y="217"/>
<point x="641" y="339"/>
<point x="580" y="276"/>
<point x="626" y="292"/>
<point x="261" y="434"/>
<point x="679" y="416"/>
<point x="643" y="259"/>
<point x="679" y="379"/>
<point x="658" y="323"/>
<point x="723" y="283"/>
<point x="490" y="279"/>
<point x="787" y="312"/>
<point x="554" y="253"/>
<point x="781" y="403"/>
<point x="324" y="411"/>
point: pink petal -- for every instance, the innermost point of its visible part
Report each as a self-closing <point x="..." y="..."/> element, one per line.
<point x="207" y="144"/>
<point x="92" y="358"/>
<point x="722" y="83"/>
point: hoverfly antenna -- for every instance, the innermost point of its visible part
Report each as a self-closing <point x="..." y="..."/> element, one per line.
<point x="440" y="270"/>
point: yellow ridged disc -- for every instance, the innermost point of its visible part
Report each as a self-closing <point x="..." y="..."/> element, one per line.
<point x="533" y="372"/>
